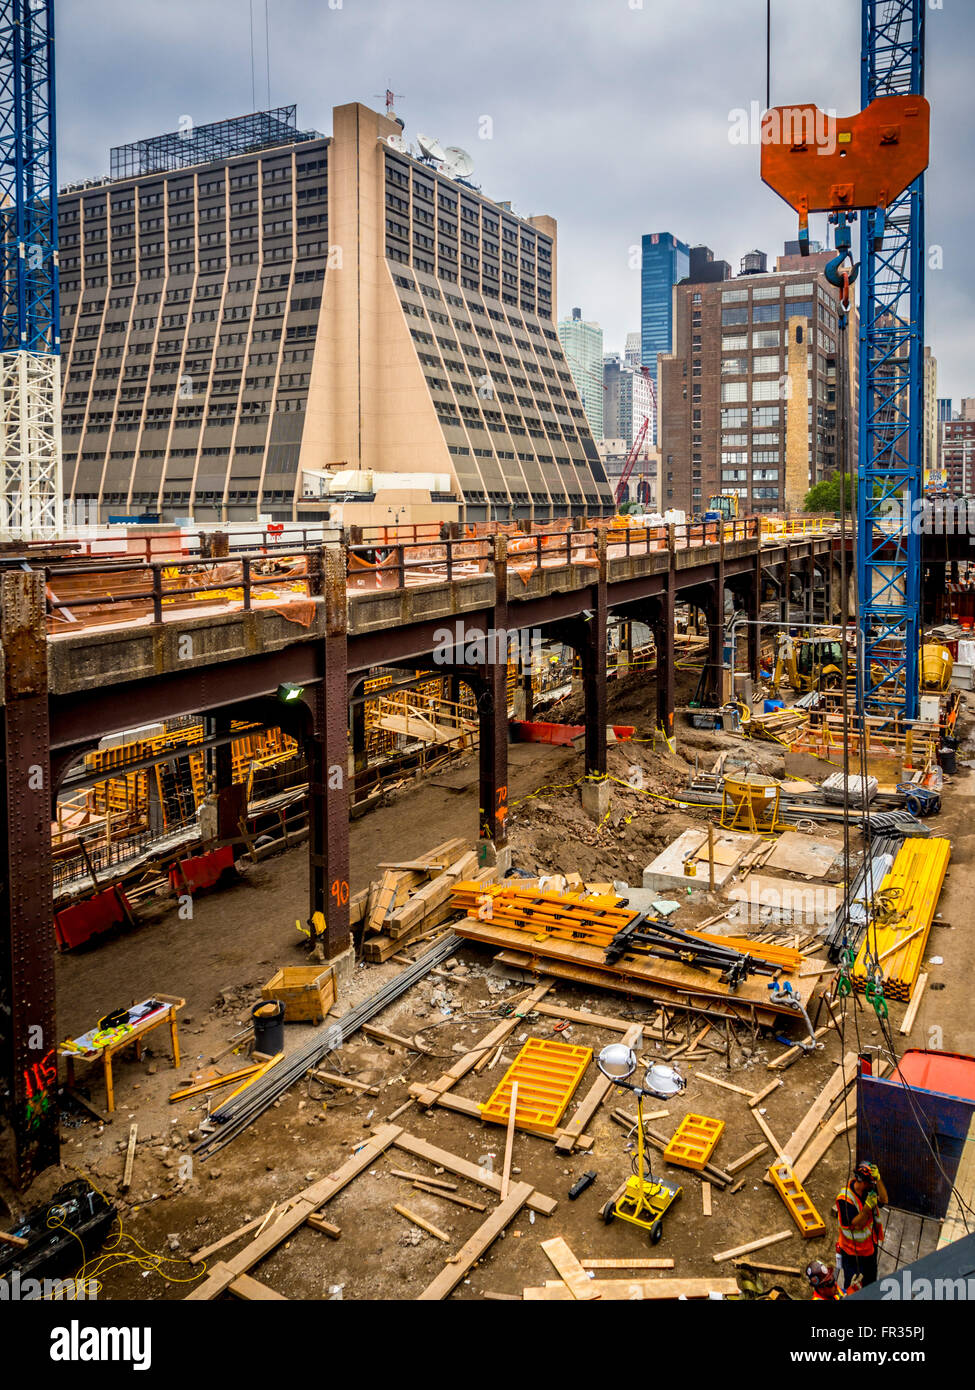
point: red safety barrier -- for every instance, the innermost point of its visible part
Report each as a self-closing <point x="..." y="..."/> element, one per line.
<point x="75" y="925"/>
<point x="528" y="731"/>
<point x="202" y="871"/>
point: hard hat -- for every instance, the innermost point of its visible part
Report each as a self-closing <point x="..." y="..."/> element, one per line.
<point x="864" y="1172"/>
<point x="818" y="1274"/>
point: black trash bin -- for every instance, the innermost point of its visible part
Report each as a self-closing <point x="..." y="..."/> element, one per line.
<point x="268" y="1017"/>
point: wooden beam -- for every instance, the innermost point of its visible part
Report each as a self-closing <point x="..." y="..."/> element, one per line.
<point x="635" y="1263"/>
<point x="303" y="1205"/>
<point x="752" y="1245"/>
<point x="453" y="1163"/>
<point x="843" y="1077"/>
<point x="792" y="1271"/>
<point x="463" y="1106"/>
<point x="419" y="1177"/>
<point x="130" y="1157"/>
<point x="254" y="1291"/>
<point x="760" y="1121"/>
<point x="706" y="1198"/>
<point x="627" y="1289"/>
<point x="737" y="1164"/>
<point x="423" y="1225"/>
<point x="817" y="1147"/>
<point x="450" y="1196"/>
<point x="914" y="1005"/>
<point x="509" y="1139"/>
<point x="429" y="1094"/>
<point x="317" y="1223"/>
<point x="569" y="1270"/>
<point x="485" y="1235"/>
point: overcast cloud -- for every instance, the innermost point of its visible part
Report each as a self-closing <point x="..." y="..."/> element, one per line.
<point x="611" y="115"/>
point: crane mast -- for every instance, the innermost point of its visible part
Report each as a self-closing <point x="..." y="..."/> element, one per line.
<point x="891" y="363"/>
<point x="30" y="378"/>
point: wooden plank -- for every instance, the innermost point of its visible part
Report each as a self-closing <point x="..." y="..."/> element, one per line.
<point x="485" y="1235"/>
<point x="253" y="1290"/>
<point x="17" y="1242"/>
<point x="635" y="1263"/>
<point x="130" y="1157"/>
<point x="317" y="1223"/>
<point x="791" y="1053"/>
<point x="453" y="1163"/>
<point x="303" y="1205"/>
<point x="245" y="1230"/>
<point x="793" y="1271"/>
<point x="627" y="1289"/>
<point x="347" y="1083"/>
<point x="818" y="1146"/>
<point x="593" y="1098"/>
<point x="915" y="1004"/>
<point x="760" y="1121"/>
<point x="725" y="1085"/>
<point x="706" y="1198"/>
<point x="420" y="1177"/>
<point x="449" y="1196"/>
<point x="423" y="1225"/>
<point x="843" y="1077"/>
<point x="509" y="1140"/>
<point x="569" y="1270"/>
<point x="752" y="1245"/>
<point x="759" y="1096"/>
<point x="463" y="1106"/>
<point x="737" y="1164"/>
<point x="466" y="1063"/>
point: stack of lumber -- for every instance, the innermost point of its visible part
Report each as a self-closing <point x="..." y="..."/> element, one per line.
<point x="570" y="931"/>
<point x="779" y="725"/>
<point x="414" y="896"/>
<point x="909" y="894"/>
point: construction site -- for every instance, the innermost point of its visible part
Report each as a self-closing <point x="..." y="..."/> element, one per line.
<point x="509" y="909"/>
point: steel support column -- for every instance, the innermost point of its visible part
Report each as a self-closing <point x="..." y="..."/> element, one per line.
<point x="28" y="1025"/>
<point x="492" y="712"/>
<point x="754" y="626"/>
<point x="328" y="767"/>
<point x="592" y="654"/>
<point x="663" y="640"/>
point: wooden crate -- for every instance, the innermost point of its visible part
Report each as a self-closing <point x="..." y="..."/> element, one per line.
<point x="307" y="992"/>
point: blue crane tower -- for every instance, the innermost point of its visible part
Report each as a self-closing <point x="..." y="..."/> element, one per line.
<point x="30" y="391"/>
<point x="891" y="364"/>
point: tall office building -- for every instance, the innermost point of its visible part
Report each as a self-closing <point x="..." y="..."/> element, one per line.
<point x="632" y="354"/>
<point x="758" y="396"/>
<point x="582" y="343"/>
<point x="248" y="305"/>
<point x="929" y="439"/>
<point x="627" y="402"/>
<point x="664" y="262"/>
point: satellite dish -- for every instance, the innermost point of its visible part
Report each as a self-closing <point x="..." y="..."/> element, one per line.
<point x="459" y="162"/>
<point x="430" y="148"/>
<point x="397" y="143"/>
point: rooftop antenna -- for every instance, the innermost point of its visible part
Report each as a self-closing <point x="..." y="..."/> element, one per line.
<point x="430" y="148"/>
<point x="390" y="97"/>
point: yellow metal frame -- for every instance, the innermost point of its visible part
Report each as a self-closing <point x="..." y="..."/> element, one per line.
<point x="547" y="1074"/>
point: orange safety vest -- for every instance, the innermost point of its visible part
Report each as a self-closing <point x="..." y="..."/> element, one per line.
<point x="862" y="1242"/>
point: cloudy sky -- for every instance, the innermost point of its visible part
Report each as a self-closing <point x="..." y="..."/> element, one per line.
<point x="612" y="115"/>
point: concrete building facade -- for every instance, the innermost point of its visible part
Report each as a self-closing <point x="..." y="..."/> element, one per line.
<point x="758" y="396"/>
<point x="261" y="305"/>
<point x="627" y="401"/>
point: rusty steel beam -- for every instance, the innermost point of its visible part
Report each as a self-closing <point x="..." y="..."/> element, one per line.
<point x="328" y="771"/>
<point x="754" y="628"/>
<point x="492" y="712"/>
<point x="592" y="653"/>
<point x="28" y="1020"/>
<point x="663" y="637"/>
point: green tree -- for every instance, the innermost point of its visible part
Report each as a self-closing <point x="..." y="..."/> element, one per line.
<point x="825" y="496"/>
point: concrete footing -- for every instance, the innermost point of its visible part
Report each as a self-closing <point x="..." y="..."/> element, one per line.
<point x="595" y="799"/>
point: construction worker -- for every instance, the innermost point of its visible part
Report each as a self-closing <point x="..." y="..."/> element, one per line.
<point x="861" y="1230"/>
<point x="822" y="1278"/>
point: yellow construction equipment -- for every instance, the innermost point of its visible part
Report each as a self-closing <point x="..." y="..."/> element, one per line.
<point x="936" y="667"/>
<point x="809" y="663"/>
<point x="722" y="507"/>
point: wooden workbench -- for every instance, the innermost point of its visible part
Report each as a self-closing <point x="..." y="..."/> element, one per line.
<point x="135" y="1035"/>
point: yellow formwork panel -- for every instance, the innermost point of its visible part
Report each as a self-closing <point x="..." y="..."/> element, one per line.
<point x="797" y="1200"/>
<point x="694" y="1141"/>
<point x="909" y="896"/>
<point x="547" y="1074"/>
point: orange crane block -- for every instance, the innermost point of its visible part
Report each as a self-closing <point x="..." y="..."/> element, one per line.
<point x="797" y="1200"/>
<point x="694" y="1141"/>
<point x="547" y="1074"/>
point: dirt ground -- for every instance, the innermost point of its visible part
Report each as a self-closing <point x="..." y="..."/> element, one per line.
<point x="239" y="937"/>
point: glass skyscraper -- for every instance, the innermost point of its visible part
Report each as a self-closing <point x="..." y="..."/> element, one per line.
<point x="665" y="261"/>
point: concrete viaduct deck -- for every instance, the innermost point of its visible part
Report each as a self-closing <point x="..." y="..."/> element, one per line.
<point x="61" y="694"/>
